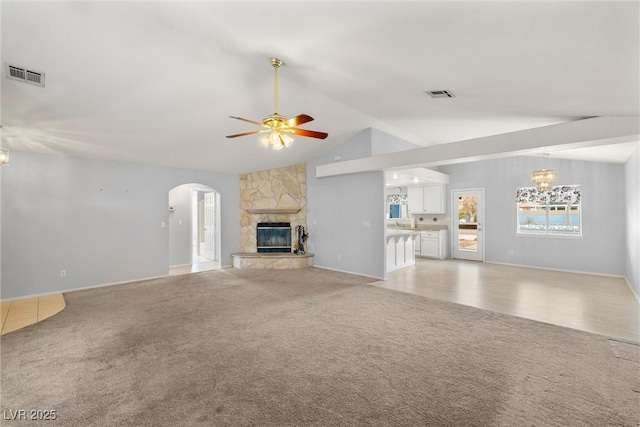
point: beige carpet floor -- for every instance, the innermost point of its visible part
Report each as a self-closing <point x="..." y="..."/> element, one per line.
<point x="307" y="347"/>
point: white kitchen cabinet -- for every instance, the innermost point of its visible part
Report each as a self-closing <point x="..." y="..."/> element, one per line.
<point x="434" y="199"/>
<point x="415" y="198"/>
<point x="426" y="200"/>
<point x="433" y="244"/>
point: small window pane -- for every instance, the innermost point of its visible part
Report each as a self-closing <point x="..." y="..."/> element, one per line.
<point x="532" y="218"/>
<point x="566" y="220"/>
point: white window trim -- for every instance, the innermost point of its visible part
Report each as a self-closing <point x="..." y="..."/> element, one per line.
<point x="546" y="232"/>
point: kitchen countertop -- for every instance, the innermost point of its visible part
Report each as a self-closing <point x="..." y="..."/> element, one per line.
<point x="400" y="232"/>
<point x="421" y="228"/>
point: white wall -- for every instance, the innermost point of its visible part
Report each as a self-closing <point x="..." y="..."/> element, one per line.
<point x="632" y="197"/>
<point x="100" y="221"/>
<point x="602" y="247"/>
<point x="337" y="208"/>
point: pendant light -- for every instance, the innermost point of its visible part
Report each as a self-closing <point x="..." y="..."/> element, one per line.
<point x="544" y="178"/>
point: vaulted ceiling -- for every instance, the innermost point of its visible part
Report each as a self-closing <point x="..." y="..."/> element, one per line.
<point x="156" y="82"/>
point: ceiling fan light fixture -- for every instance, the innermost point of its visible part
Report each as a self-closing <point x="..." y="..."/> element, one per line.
<point x="264" y="140"/>
<point x="4" y="156"/>
<point x="287" y="140"/>
<point x="279" y="126"/>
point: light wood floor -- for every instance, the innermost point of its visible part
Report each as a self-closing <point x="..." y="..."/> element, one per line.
<point x="20" y="313"/>
<point x="200" y="263"/>
<point x="603" y="305"/>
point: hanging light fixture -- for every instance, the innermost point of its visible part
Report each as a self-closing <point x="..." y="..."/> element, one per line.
<point x="277" y="128"/>
<point x="277" y="138"/>
<point x="543" y="178"/>
<point x="4" y="156"/>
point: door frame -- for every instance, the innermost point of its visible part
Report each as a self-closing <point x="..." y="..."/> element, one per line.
<point x="212" y="215"/>
<point x="480" y="218"/>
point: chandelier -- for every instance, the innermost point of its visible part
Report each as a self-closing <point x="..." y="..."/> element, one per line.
<point x="543" y="178"/>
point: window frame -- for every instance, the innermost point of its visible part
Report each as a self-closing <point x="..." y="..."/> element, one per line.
<point x="550" y="200"/>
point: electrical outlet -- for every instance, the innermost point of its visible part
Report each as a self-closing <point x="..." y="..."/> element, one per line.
<point x="63" y="273"/>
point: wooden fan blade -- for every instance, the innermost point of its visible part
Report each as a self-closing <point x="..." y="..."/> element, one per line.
<point x="310" y="133"/>
<point x="246" y="120"/>
<point x="298" y="120"/>
<point x="244" y="134"/>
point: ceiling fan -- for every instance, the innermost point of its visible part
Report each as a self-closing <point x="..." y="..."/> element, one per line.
<point x="277" y="127"/>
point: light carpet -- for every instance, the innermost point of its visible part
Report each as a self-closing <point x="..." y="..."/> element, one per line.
<point x="307" y="347"/>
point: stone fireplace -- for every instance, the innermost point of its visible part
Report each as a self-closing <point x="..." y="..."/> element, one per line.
<point x="272" y="196"/>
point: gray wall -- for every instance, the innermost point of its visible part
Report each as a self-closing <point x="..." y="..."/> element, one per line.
<point x="337" y="208"/>
<point x="98" y="220"/>
<point x="602" y="247"/>
<point x="384" y="143"/>
<point x="2" y="168"/>
<point x="632" y="196"/>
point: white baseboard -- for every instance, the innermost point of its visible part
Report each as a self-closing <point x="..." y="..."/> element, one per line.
<point x="64" y="291"/>
<point x="348" y="272"/>
<point x="633" y="291"/>
<point x="618" y="276"/>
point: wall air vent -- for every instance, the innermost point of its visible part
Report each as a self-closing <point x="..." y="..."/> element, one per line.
<point x="440" y="94"/>
<point x="24" y="75"/>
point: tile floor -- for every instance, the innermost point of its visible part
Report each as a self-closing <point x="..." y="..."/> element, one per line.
<point x="20" y="313"/>
<point x="599" y="304"/>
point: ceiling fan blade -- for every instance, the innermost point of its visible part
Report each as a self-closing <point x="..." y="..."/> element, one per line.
<point x="244" y="134"/>
<point x="246" y="120"/>
<point x="309" y="133"/>
<point x="298" y="120"/>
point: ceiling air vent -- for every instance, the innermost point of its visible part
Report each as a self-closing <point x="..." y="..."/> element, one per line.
<point x="24" y="75"/>
<point x="440" y="94"/>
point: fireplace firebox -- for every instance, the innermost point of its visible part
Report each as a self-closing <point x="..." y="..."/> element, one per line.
<point x="273" y="237"/>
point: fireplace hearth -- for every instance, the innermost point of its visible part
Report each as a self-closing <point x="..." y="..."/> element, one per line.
<point x="273" y="237"/>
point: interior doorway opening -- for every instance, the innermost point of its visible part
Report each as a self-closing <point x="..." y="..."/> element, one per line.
<point x="194" y="229"/>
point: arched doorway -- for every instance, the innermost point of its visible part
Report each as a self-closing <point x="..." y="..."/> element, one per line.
<point x="194" y="229"/>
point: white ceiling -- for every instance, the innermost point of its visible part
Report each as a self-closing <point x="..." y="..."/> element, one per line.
<point x="156" y="82"/>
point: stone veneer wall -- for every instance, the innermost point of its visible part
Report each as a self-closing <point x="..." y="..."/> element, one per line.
<point x="280" y="188"/>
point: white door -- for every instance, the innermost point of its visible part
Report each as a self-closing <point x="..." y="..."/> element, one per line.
<point x="210" y="226"/>
<point x="468" y="218"/>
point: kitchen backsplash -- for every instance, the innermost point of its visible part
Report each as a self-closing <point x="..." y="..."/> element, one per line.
<point x="441" y="222"/>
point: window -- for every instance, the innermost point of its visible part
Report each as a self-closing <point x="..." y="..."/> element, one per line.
<point x="555" y="213"/>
